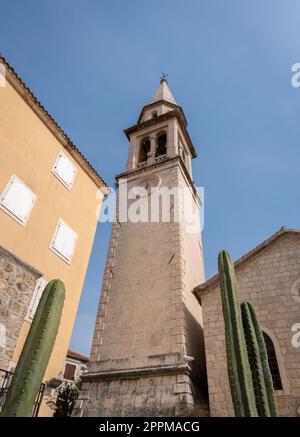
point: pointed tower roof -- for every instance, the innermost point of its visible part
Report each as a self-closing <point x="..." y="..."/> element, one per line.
<point x="168" y="108"/>
<point x="163" y="93"/>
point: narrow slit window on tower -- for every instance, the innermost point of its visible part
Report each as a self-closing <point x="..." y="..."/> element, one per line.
<point x="273" y="363"/>
<point x="144" y="150"/>
<point x="161" y="148"/>
<point x="183" y="155"/>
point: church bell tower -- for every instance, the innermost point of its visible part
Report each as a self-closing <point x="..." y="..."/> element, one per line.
<point x="147" y="355"/>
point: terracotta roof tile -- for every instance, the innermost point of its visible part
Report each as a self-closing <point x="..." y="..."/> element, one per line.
<point x="77" y="356"/>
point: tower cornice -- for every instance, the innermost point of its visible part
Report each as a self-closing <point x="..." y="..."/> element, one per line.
<point x="165" y="102"/>
<point x="175" y="369"/>
<point x="176" y="159"/>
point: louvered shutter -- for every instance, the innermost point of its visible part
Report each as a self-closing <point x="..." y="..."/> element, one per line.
<point x="37" y="294"/>
<point x="18" y="199"/>
<point x="65" y="240"/>
<point x="59" y="239"/>
<point x="65" y="170"/>
<point x="69" y="244"/>
<point x="12" y="195"/>
<point x="25" y="204"/>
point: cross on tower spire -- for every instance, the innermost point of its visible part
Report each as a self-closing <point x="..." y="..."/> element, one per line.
<point x="163" y="77"/>
<point x="163" y="92"/>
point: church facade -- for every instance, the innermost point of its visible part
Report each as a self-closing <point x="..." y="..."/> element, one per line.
<point x="269" y="278"/>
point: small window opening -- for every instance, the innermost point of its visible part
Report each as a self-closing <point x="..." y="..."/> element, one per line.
<point x="69" y="372"/>
<point x="161" y="145"/>
<point x="144" y="150"/>
<point x="273" y="363"/>
<point x="154" y="114"/>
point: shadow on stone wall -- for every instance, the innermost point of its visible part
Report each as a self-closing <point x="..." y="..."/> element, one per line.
<point x="196" y="349"/>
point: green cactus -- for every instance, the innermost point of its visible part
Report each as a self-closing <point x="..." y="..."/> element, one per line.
<point x="239" y="371"/>
<point x="36" y="353"/>
<point x="258" y="359"/>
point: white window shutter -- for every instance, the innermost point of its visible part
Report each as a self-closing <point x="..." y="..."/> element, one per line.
<point x="37" y="294"/>
<point x="65" y="170"/>
<point x="12" y="195"/>
<point x="18" y="199"/>
<point x="64" y="241"/>
<point x="69" y="244"/>
<point x="24" y="205"/>
<point x="59" y="239"/>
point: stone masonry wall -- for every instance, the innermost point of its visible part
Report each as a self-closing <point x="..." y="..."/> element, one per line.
<point x="17" y="283"/>
<point x="145" y="396"/>
<point x="148" y="317"/>
<point x="266" y="280"/>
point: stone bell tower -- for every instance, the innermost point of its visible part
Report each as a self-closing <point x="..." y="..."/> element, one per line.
<point x="147" y="356"/>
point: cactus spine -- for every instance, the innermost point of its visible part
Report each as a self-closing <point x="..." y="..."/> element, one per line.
<point x="239" y="371"/>
<point x="36" y="352"/>
<point x="258" y="359"/>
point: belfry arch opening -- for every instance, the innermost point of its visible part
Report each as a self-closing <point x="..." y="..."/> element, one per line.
<point x="273" y="363"/>
<point x="161" y="148"/>
<point x="144" y="150"/>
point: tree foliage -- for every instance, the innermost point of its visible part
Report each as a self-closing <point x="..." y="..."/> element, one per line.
<point x="67" y="396"/>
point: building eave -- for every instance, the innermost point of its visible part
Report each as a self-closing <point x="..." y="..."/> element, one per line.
<point x="24" y="91"/>
<point x="77" y="356"/>
<point x="204" y="288"/>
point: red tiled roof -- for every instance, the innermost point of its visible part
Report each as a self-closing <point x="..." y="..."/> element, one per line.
<point x="77" y="356"/>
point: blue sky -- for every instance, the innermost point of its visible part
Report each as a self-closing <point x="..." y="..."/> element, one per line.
<point x="95" y="63"/>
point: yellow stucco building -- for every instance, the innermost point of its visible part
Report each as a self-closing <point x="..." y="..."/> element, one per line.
<point x="49" y="195"/>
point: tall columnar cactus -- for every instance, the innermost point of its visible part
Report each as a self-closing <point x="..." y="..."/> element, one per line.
<point x="36" y="352"/>
<point x="258" y="359"/>
<point x="239" y="371"/>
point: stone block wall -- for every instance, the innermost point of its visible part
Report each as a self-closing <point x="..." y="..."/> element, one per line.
<point x="17" y="283"/>
<point x="161" y="395"/>
<point x="148" y="318"/>
<point x="267" y="280"/>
